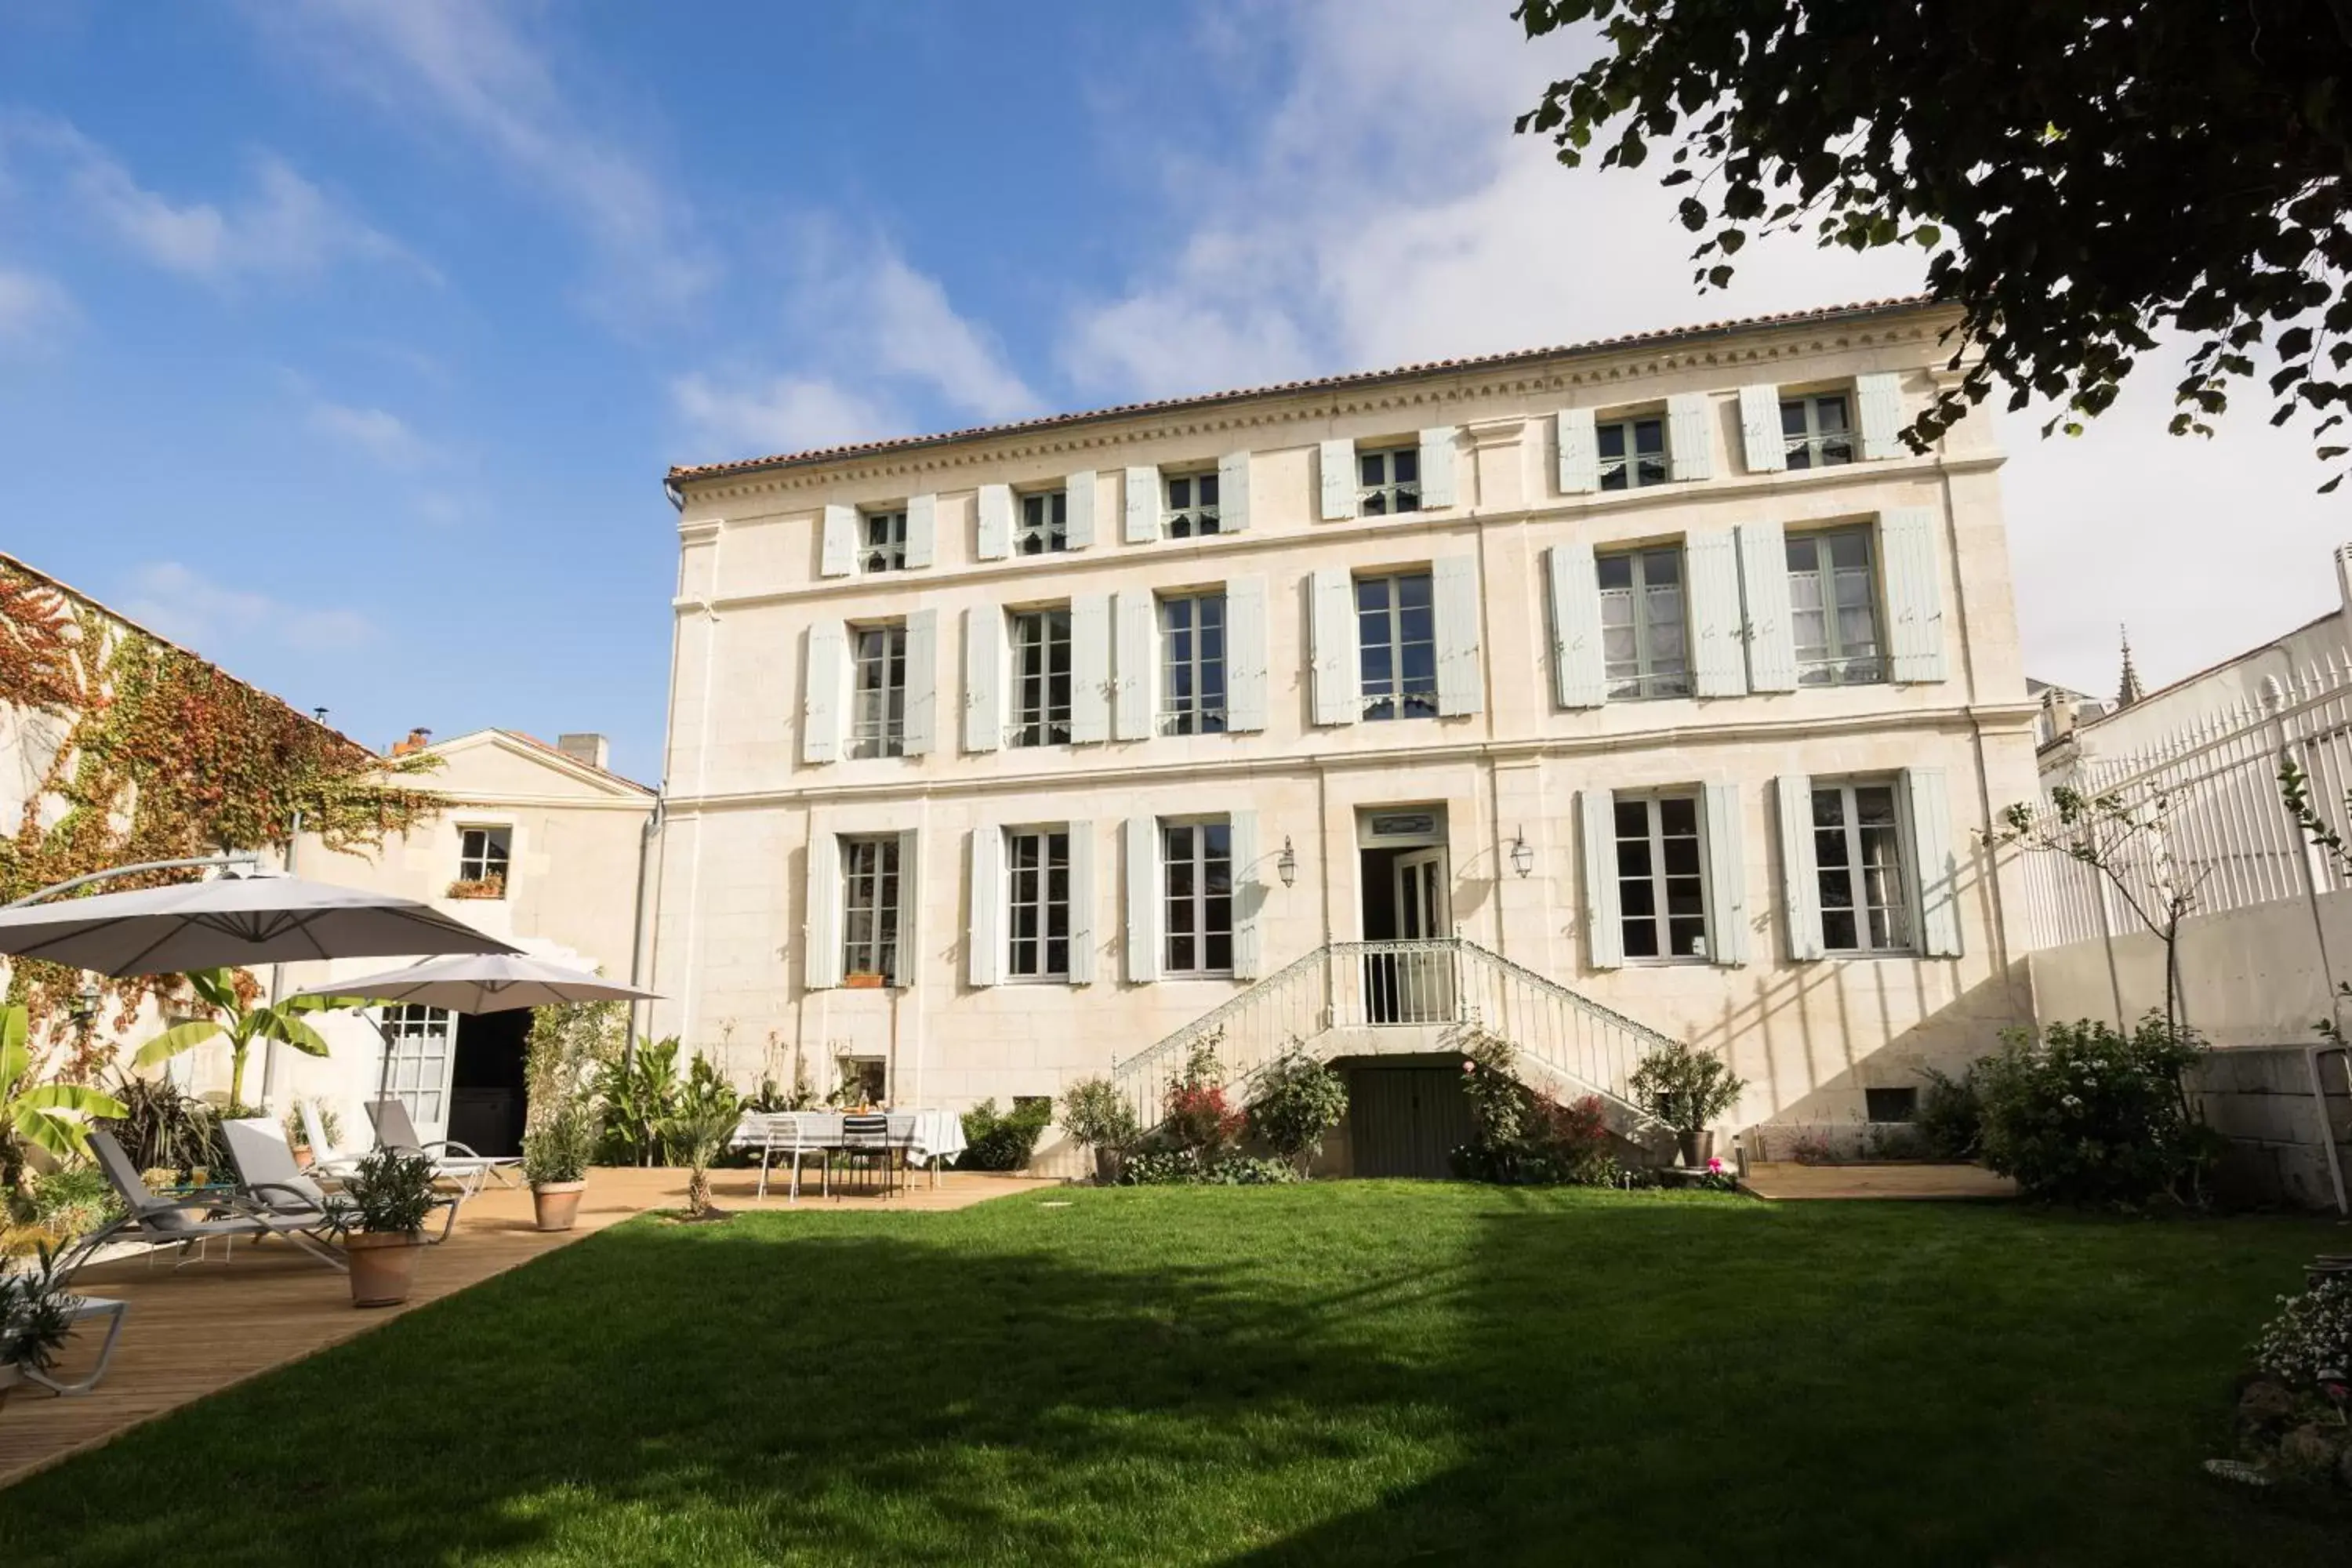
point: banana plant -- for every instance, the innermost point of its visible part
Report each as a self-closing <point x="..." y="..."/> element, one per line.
<point x="280" y="1021"/>
<point x="44" y="1116"/>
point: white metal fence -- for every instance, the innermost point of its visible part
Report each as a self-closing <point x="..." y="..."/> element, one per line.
<point x="2217" y="826"/>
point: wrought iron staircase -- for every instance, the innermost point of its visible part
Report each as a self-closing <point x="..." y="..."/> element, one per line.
<point x="1386" y="998"/>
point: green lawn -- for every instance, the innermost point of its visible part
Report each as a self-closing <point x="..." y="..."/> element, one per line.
<point x="1359" y="1372"/>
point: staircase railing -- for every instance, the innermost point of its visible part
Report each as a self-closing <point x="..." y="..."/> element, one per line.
<point x="1339" y="999"/>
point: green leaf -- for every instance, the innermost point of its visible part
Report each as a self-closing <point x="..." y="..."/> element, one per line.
<point x="74" y="1097"/>
<point x="15" y="1056"/>
<point x="178" y="1038"/>
<point x="274" y="1025"/>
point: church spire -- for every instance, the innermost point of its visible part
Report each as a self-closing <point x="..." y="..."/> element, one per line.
<point x="2130" y="690"/>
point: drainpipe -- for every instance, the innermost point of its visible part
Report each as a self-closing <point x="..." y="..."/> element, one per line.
<point x="2311" y="1055"/>
<point x="645" y="838"/>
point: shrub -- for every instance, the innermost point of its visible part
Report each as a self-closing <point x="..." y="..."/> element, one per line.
<point x="1685" y="1088"/>
<point x="162" y="1128"/>
<point x="73" y="1202"/>
<point x="640" y="1095"/>
<point x="1200" y="1118"/>
<point x="1951" y="1117"/>
<point x="2312" y="1334"/>
<point x="2088" y="1115"/>
<point x="1299" y="1099"/>
<point x="1098" y="1118"/>
<point x="1185" y="1167"/>
<point x="36" y="1313"/>
<point x="995" y="1141"/>
<point x="1523" y="1136"/>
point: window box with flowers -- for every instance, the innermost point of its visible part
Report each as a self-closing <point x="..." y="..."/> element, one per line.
<point x="494" y="886"/>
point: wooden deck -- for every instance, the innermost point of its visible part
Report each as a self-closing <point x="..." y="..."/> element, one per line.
<point x="202" y="1327"/>
<point x="1787" y="1180"/>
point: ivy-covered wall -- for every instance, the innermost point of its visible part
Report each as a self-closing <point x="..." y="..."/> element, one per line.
<point x="162" y="756"/>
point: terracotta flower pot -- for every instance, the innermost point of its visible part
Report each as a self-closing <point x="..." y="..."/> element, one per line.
<point x="557" y="1204"/>
<point x="383" y="1266"/>
<point x="10" y="1376"/>
<point x="304" y="1158"/>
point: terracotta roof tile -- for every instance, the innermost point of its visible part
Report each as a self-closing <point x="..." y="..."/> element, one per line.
<point x="690" y="473"/>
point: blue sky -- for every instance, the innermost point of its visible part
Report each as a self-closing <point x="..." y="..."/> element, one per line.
<point x="348" y="341"/>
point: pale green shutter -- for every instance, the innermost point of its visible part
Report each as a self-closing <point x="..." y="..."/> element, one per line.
<point x="984" y="678"/>
<point x="910" y="905"/>
<point x="1136" y="683"/>
<point x="1727" y="877"/>
<point x="1771" y="632"/>
<point x="922" y="530"/>
<point x="995" y="535"/>
<point x="1719" y="660"/>
<point x="1878" y="408"/>
<point x="1580" y="451"/>
<point x="1142" y="936"/>
<point x="1438" y="484"/>
<point x="1337" y="694"/>
<point x="1082" y="903"/>
<point x="1690" y="436"/>
<point x="837" y="554"/>
<point x="823" y="690"/>
<point x="1249" y="894"/>
<point x="1915" y="597"/>
<point x="1078" y="510"/>
<point x="1929" y="806"/>
<point x="1234" y="493"/>
<point x="1765" y="451"/>
<point x="821" y="915"/>
<point x="922" y="728"/>
<point x="1604" y="936"/>
<point x="1336" y="467"/>
<point x="1579" y="673"/>
<point x="1245" y="654"/>
<point x="984" y="922"/>
<point x="1800" y="882"/>
<point x="1453" y="602"/>
<point x="1090" y="681"/>
<point x="1142" y="506"/>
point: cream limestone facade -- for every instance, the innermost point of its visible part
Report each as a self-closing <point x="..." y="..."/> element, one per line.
<point x="1520" y="740"/>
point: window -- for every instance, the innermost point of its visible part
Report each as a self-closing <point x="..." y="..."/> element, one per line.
<point x="870" y="1074"/>
<point x="1890" y="1104"/>
<point x="417" y="1042"/>
<point x="1633" y="453"/>
<point x="1192" y="506"/>
<point x="1833" y="608"/>
<point x="1643" y="649"/>
<point x="870" y="907"/>
<point x="1819" y="431"/>
<point x="1037" y="876"/>
<point x="1661" y="887"/>
<point x="1396" y="647"/>
<point x="1192" y="665"/>
<point x="1044" y="521"/>
<point x="877" y="715"/>
<point x="1858" y="852"/>
<point x="1389" y="481"/>
<point x="1041" y="677"/>
<point x="884" y="542"/>
<point x="1199" y="860"/>
<point x="482" y="859"/>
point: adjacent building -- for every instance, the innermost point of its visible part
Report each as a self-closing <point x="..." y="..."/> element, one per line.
<point x="1645" y="687"/>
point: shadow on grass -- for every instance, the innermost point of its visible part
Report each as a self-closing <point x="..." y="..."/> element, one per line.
<point x="1360" y="1373"/>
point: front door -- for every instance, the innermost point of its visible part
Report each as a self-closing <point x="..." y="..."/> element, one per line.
<point x="1411" y="983"/>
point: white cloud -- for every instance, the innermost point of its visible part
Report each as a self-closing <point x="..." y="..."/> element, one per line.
<point x="189" y="607"/>
<point x="382" y="434"/>
<point x="755" y="417"/>
<point x="475" y="69"/>
<point x="32" y="306"/>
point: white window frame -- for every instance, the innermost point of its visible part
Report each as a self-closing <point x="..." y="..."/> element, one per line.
<point x="1809" y="444"/>
<point x="1192" y="515"/>
<point x="1899" y="907"/>
<point x="1834" y="666"/>
<point x="1031" y="887"/>
<point x="872" y="889"/>
<point x="1626" y="467"/>
<point x="1037" y="725"/>
<point x="1041" y="522"/>
<point x="494" y="855"/>
<point x="418" y="1040"/>
<point x="1184" y="675"/>
<point x="1382" y="490"/>
<point x="1648" y="678"/>
<point x="1395" y="700"/>
<point x="877" y="706"/>
<point x="1661" y="918"/>
<point x="1198" y="903"/>
<point x="882" y="540"/>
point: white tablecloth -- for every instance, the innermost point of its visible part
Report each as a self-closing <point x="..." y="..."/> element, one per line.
<point x="927" y="1134"/>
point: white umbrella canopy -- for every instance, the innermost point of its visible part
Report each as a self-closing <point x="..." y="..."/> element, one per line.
<point x="484" y="982"/>
<point x="240" y="918"/>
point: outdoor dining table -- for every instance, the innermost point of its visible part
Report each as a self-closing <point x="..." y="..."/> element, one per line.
<point x="927" y="1136"/>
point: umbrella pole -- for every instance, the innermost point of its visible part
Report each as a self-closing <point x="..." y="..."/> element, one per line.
<point x="245" y="858"/>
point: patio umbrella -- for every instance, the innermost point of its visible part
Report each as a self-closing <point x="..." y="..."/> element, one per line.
<point x="241" y="918"/>
<point x="484" y="982"/>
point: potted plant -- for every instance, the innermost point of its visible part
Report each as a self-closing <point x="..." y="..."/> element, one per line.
<point x="555" y="1158"/>
<point x="1097" y="1118"/>
<point x="35" y="1316"/>
<point x="863" y="980"/>
<point x="1687" y="1089"/>
<point x="493" y="886"/>
<point x="385" y="1201"/>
